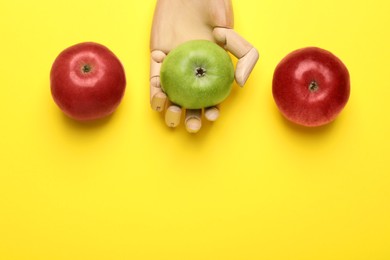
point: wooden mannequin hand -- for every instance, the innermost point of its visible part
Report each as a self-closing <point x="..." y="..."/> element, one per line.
<point x="178" y="21"/>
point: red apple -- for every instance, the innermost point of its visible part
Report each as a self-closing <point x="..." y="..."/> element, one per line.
<point x="87" y="81"/>
<point x="311" y="86"/>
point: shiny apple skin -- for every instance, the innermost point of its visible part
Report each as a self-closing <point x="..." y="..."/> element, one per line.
<point x="311" y="86"/>
<point x="87" y="81"/>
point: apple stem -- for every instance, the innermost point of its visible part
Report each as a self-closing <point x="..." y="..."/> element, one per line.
<point x="200" y="72"/>
<point x="313" y="86"/>
<point x="86" y="68"/>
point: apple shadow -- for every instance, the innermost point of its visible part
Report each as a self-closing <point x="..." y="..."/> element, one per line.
<point x="86" y="125"/>
<point x="308" y="131"/>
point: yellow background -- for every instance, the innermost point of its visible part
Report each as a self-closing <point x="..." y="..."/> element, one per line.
<point x="249" y="186"/>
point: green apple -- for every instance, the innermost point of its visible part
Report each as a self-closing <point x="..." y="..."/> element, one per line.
<point x="197" y="74"/>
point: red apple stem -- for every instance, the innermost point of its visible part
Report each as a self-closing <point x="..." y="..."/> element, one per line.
<point x="313" y="86"/>
<point x="86" y="68"/>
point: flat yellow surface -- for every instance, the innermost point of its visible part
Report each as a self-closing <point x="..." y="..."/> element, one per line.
<point x="249" y="186"/>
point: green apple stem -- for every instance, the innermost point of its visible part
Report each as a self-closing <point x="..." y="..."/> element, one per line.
<point x="200" y="72"/>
